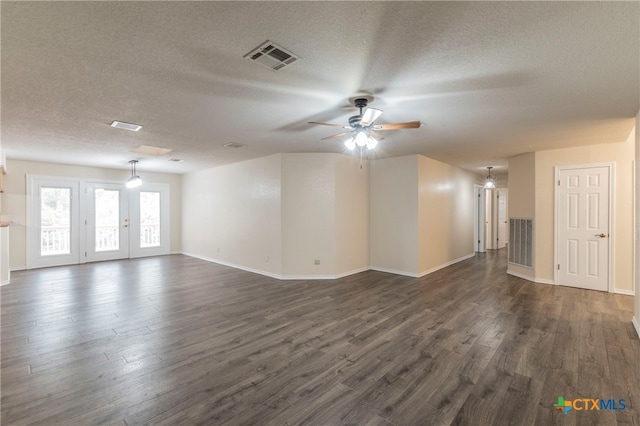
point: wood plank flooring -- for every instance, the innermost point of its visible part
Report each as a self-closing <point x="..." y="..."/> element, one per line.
<point x="175" y="340"/>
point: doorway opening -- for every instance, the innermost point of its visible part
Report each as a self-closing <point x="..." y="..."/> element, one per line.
<point x="76" y="221"/>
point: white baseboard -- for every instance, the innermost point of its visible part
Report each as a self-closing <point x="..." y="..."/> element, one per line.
<point x="395" y="271"/>
<point x="423" y="273"/>
<point x="532" y="279"/>
<point x="18" y="268"/>
<point x="236" y="266"/>
<point x="444" y="265"/>
<point x="278" y="276"/>
<point x="636" y="324"/>
<point x="625" y="292"/>
<point x="4" y="282"/>
<point x="324" y="277"/>
<point x="329" y="277"/>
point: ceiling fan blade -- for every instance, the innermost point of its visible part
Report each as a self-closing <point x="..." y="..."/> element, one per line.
<point x="334" y="136"/>
<point x="327" y="124"/>
<point x="369" y="116"/>
<point x="396" y="126"/>
<point x="376" y="135"/>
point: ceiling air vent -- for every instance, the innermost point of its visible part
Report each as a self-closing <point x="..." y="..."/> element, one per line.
<point x="233" y="145"/>
<point x="126" y="126"/>
<point x="272" y="56"/>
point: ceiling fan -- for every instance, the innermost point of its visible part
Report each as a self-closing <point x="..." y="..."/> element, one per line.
<point x="361" y="129"/>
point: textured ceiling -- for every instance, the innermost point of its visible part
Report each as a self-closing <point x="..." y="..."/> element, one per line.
<point x="488" y="79"/>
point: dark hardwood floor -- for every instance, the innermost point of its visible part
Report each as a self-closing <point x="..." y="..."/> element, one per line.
<point x="178" y="341"/>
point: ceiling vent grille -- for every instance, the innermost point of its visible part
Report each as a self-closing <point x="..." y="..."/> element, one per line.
<point x="126" y="126"/>
<point x="272" y="56"/>
<point x="233" y="145"/>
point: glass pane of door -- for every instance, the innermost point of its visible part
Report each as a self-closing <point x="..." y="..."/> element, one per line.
<point x="55" y="221"/>
<point x="107" y="224"/>
<point x="107" y="219"/>
<point x="149" y="213"/>
<point x="149" y="219"/>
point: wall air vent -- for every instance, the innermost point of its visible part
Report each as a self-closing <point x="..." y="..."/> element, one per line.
<point x="272" y="56"/>
<point x="521" y="242"/>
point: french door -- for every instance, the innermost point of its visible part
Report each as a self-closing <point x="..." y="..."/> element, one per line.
<point x="75" y="221"/>
<point x="107" y="222"/>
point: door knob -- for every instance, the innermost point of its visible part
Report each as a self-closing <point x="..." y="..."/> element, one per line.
<point x="603" y="235"/>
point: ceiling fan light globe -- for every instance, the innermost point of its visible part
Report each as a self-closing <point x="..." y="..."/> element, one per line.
<point x="372" y="143"/>
<point x="361" y="139"/>
<point x="350" y="144"/>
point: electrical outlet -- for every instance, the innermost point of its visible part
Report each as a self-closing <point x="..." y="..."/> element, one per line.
<point x="317" y="261"/>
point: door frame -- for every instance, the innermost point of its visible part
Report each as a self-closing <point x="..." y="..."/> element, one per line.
<point x="91" y="255"/>
<point x="32" y="249"/>
<point x="612" y="201"/>
<point x="33" y="256"/>
<point x="479" y="218"/>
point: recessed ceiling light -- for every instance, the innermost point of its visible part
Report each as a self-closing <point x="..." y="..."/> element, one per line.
<point x="233" y="145"/>
<point x="151" y="150"/>
<point x="126" y="126"/>
<point x="176" y="160"/>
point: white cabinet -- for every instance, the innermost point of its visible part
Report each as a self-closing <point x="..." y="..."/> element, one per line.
<point x="4" y="255"/>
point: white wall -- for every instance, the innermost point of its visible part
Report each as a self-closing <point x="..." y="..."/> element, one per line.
<point x="421" y="214"/>
<point x="636" y="319"/>
<point x="278" y="215"/>
<point x="532" y="194"/>
<point x="622" y="155"/>
<point x="232" y="214"/>
<point x="308" y="214"/>
<point x="15" y="198"/>
<point x="445" y="214"/>
<point x="352" y="215"/>
<point x="393" y="214"/>
<point x="522" y="200"/>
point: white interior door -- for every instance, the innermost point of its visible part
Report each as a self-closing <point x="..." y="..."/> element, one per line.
<point x="107" y="222"/>
<point x="583" y="221"/>
<point x="503" y="222"/>
<point x="489" y="220"/>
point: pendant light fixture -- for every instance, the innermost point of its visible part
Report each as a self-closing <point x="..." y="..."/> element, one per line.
<point x="490" y="182"/>
<point x="134" y="181"/>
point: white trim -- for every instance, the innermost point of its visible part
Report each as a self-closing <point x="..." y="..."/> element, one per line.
<point x="636" y="324"/>
<point x="3" y="283"/>
<point x="395" y="271"/>
<point x="327" y="277"/>
<point x="423" y="273"/>
<point x="324" y="277"/>
<point x="276" y="276"/>
<point x="532" y="279"/>
<point x="612" y="200"/>
<point x="479" y="217"/>
<point x="625" y="292"/>
<point x="234" y="265"/>
<point x="18" y="268"/>
<point x="444" y="265"/>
